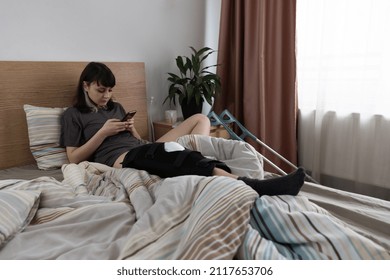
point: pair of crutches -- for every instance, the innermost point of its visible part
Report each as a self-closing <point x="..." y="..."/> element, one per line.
<point x="226" y="119"/>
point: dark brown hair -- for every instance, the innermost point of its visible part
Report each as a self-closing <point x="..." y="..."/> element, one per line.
<point x="93" y="72"/>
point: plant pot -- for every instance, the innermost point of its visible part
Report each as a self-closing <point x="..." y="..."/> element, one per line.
<point x="189" y="109"/>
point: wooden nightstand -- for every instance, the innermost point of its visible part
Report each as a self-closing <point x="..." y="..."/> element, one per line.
<point x="161" y="127"/>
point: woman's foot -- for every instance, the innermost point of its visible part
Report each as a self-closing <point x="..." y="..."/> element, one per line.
<point x="289" y="184"/>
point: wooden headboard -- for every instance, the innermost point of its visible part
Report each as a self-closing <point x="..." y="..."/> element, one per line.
<point x="53" y="84"/>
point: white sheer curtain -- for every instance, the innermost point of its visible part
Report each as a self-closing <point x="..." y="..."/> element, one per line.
<point x="343" y="73"/>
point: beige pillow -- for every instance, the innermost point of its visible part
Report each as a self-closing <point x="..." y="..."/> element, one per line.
<point x="44" y="130"/>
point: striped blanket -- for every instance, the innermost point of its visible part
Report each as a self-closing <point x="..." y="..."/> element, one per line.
<point x="286" y="227"/>
<point x="99" y="212"/>
<point x="105" y="213"/>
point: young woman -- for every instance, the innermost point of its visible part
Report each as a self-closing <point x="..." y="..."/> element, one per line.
<point x="92" y="130"/>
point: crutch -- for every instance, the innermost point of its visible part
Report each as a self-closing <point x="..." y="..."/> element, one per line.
<point x="226" y="118"/>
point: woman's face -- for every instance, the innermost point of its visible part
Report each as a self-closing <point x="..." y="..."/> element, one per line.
<point x="99" y="94"/>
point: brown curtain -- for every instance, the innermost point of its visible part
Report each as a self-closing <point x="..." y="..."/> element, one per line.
<point x="257" y="61"/>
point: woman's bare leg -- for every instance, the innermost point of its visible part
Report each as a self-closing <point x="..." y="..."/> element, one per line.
<point x="196" y="124"/>
<point x="220" y="172"/>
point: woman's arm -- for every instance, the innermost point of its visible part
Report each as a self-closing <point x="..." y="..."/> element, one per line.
<point x="84" y="152"/>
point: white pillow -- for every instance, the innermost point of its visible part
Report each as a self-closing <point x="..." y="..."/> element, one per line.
<point x="44" y="130"/>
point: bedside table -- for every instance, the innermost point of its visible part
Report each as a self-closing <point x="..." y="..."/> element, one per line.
<point x="162" y="127"/>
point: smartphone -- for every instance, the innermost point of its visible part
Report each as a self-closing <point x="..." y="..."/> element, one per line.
<point x="129" y="115"/>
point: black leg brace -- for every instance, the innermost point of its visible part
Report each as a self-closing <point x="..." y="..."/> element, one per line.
<point x="153" y="158"/>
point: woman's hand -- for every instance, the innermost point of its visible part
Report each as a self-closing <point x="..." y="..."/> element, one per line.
<point x="112" y="127"/>
<point x="131" y="128"/>
<point x="129" y="124"/>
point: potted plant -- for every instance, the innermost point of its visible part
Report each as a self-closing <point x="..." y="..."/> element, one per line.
<point x="194" y="83"/>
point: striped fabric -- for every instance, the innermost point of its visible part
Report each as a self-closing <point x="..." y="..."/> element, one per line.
<point x="44" y="133"/>
<point x="287" y="227"/>
<point x="99" y="212"/>
<point x="208" y="222"/>
<point x="17" y="209"/>
<point x="189" y="217"/>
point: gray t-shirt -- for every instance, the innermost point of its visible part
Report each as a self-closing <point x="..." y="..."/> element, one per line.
<point x="77" y="128"/>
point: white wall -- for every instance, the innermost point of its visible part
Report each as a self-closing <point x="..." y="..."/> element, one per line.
<point x="152" y="31"/>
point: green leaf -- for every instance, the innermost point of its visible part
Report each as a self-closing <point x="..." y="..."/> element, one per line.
<point x="173" y="78"/>
<point x="207" y="67"/>
<point x="205" y="56"/>
<point x="188" y="64"/>
<point x="180" y="65"/>
<point x="195" y="65"/>
<point x="202" y="50"/>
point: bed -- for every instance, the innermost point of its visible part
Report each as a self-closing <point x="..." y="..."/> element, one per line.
<point x="51" y="209"/>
